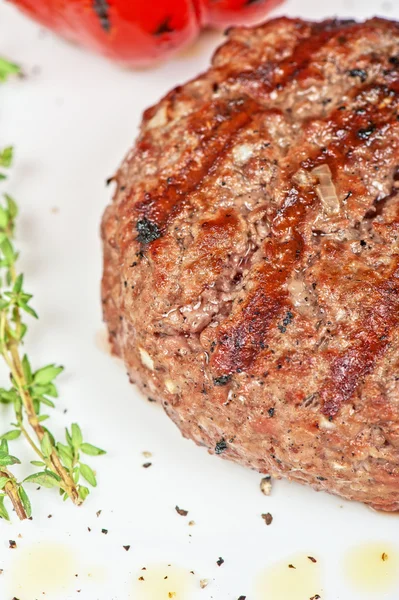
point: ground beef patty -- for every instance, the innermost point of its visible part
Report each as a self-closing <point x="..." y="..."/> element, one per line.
<point x="251" y="262"/>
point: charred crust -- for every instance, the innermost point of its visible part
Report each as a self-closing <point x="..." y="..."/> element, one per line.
<point x="222" y="380"/>
<point x="221" y="446"/>
<point x="147" y="230"/>
<point x="164" y="27"/>
<point x="361" y="73"/>
<point x="365" y="132"/>
<point x="101" y="8"/>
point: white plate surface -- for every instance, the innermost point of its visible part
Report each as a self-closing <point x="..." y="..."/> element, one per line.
<point x="71" y="120"/>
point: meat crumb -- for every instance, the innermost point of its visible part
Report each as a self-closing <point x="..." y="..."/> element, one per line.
<point x="12" y="544"/>
<point x="312" y="559"/>
<point x="127" y="548"/>
<point x="220" y="561"/>
<point x="147" y="465"/>
<point x="104" y="531"/>
<point x="204" y="583"/>
<point x="268" y="518"/>
<point x="191" y="523"/>
<point x="266" y="485"/>
<point x="171" y="594"/>
<point x="291" y="567"/>
<point x="181" y="511"/>
<point x="141" y="578"/>
<point x="317" y="597"/>
<point x="98" y="513"/>
<point x="384" y="556"/>
<point x="242" y="598"/>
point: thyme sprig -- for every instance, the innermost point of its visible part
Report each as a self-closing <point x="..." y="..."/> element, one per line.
<point x="60" y="464"/>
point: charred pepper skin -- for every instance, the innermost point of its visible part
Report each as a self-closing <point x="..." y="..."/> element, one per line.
<point x="137" y="33"/>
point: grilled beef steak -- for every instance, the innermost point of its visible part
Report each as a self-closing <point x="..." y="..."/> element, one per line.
<point x="251" y="259"/>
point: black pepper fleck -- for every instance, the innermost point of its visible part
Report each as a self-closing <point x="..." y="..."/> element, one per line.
<point x="181" y="511"/>
<point x="366" y="132"/>
<point x="268" y="518"/>
<point x="220" y="561"/>
<point x="222" y="380"/>
<point x="221" y="446"/>
<point x="361" y="73"/>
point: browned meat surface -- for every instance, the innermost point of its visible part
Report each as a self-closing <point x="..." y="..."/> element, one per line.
<point x="251" y="274"/>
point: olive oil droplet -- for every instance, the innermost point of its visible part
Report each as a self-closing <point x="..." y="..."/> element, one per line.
<point x="42" y="569"/>
<point x="295" y="578"/>
<point x="373" y="567"/>
<point x="163" y="582"/>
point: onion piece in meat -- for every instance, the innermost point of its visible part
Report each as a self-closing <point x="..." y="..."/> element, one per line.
<point x="326" y="190"/>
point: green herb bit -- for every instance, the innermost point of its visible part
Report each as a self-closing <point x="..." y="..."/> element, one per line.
<point x="8" y="68"/>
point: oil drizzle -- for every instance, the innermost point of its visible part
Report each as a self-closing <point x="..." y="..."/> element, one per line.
<point x="372" y="568"/>
<point x="162" y="582"/>
<point x="44" y="569"/>
<point x="297" y="577"/>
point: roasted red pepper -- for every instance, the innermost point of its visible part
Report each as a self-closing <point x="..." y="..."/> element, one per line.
<point x="138" y="32"/>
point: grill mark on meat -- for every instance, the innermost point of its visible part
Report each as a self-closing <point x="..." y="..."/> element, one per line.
<point x="254" y="331"/>
<point x="240" y="343"/>
<point x="299" y="65"/>
<point x="229" y="120"/>
<point x="372" y="340"/>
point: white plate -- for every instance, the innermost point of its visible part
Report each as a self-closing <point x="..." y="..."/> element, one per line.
<point x="72" y="119"/>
